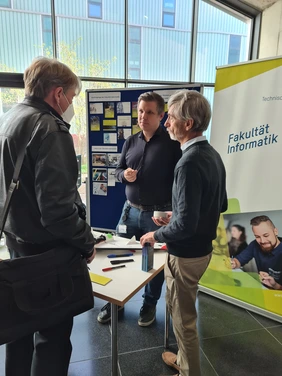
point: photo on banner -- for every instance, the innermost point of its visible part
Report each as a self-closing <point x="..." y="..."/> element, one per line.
<point x="247" y="133"/>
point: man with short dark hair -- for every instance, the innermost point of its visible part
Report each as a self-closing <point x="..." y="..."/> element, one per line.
<point x="266" y="250"/>
<point x="198" y="198"/>
<point x="146" y="168"/>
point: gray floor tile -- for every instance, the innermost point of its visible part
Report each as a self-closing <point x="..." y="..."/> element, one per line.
<point x="254" y="353"/>
<point x="219" y="318"/>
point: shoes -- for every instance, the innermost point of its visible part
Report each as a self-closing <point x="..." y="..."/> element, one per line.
<point x="147" y="315"/>
<point x="170" y="359"/>
<point x="105" y="313"/>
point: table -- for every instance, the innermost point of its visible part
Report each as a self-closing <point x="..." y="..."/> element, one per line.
<point x="119" y="290"/>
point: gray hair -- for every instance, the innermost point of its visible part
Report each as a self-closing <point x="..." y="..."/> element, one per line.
<point x="151" y="96"/>
<point x="190" y="104"/>
<point x="44" y="74"/>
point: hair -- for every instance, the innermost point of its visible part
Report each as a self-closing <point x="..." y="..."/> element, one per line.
<point x="151" y="96"/>
<point x="44" y="74"/>
<point x="190" y="104"/>
<point x="242" y="229"/>
<point x="259" y="219"/>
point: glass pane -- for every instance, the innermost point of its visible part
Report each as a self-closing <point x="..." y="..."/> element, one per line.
<point x="215" y="26"/>
<point x="234" y="49"/>
<point x="168" y="19"/>
<point x="91" y="47"/>
<point x="21" y="31"/>
<point x="169" y="5"/>
<point x="95" y="10"/>
<point x="5" y="3"/>
<point x="9" y="97"/>
<point x="165" y="52"/>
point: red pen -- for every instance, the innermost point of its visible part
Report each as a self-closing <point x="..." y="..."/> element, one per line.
<point x="113" y="267"/>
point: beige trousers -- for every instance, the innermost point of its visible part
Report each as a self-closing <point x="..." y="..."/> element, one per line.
<point x="182" y="276"/>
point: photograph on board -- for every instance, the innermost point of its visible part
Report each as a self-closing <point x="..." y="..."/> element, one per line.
<point x="100" y="189"/>
<point x="99" y="174"/>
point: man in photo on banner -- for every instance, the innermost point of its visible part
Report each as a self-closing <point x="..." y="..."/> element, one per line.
<point x="46" y="210"/>
<point x="146" y="167"/>
<point x="198" y="198"/>
<point x="266" y="250"/>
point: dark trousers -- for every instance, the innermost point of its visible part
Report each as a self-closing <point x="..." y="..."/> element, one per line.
<point x="138" y="223"/>
<point x="44" y="353"/>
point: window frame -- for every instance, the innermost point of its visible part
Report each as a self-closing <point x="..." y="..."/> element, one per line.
<point x="168" y="12"/>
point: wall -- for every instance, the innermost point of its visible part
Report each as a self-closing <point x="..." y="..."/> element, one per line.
<point x="271" y="31"/>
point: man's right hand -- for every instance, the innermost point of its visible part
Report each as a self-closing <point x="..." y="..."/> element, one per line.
<point x="232" y="263"/>
<point x="163" y="221"/>
<point x="130" y="175"/>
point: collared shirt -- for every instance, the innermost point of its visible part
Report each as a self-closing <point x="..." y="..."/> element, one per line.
<point x="155" y="161"/>
<point x="192" y="141"/>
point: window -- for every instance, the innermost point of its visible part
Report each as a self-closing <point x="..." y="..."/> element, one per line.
<point x="47" y="33"/>
<point x="134" y="52"/>
<point x="234" y="49"/>
<point x="95" y="9"/>
<point x="169" y="13"/>
<point x="5" y="3"/>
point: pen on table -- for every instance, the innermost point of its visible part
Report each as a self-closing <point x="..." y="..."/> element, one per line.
<point x="112" y="255"/>
<point x="115" y="262"/>
<point x="113" y="267"/>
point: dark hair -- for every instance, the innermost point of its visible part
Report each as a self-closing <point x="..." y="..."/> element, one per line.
<point x="243" y="232"/>
<point x="151" y="96"/>
<point x="259" y="219"/>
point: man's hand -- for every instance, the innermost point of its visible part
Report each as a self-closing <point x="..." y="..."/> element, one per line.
<point x="148" y="238"/>
<point x="130" y="175"/>
<point x="90" y="259"/>
<point x="161" y="221"/>
<point x="232" y="263"/>
<point x="269" y="281"/>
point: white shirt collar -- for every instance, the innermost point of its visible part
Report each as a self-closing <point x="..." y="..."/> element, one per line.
<point x="193" y="141"/>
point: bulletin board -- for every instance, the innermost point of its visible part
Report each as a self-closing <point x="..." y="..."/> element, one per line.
<point x="111" y="119"/>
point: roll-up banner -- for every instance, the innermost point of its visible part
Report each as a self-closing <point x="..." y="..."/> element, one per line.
<point x="247" y="132"/>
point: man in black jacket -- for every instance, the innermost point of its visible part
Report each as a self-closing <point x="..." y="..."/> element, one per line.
<point x="44" y="210"/>
<point x="198" y="198"/>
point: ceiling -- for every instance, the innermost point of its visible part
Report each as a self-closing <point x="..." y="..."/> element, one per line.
<point x="259" y="4"/>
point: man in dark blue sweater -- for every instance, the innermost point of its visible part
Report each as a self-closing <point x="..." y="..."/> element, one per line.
<point x="266" y="249"/>
<point x="198" y="198"/>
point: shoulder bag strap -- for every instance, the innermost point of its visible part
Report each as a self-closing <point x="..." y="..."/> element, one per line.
<point x="15" y="180"/>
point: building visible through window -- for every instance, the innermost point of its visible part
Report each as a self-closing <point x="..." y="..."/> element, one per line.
<point x="168" y="13"/>
<point x="234" y="49"/>
<point x="95" y="9"/>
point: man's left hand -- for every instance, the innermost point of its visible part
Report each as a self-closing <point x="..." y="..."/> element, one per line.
<point x="148" y="238"/>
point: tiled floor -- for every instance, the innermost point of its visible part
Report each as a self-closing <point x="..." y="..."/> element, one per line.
<point x="234" y="342"/>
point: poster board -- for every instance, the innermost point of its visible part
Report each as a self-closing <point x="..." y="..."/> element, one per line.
<point x="247" y="132"/>
<point x="111" y="118"/>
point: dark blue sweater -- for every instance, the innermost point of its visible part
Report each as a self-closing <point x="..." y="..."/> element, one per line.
<point x="270" y="262"/>
<point x="198" y="198"/>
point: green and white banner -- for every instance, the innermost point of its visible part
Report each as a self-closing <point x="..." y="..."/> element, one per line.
<point x="247" y="132"/>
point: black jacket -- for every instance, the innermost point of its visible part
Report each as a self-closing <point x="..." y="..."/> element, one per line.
<point x="43" y="209"/>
